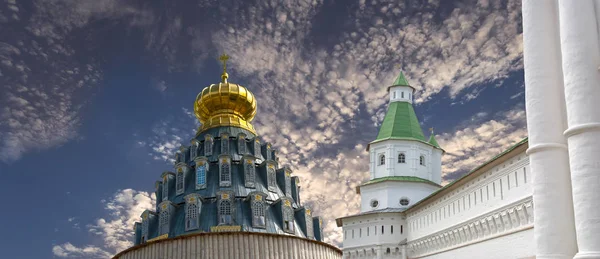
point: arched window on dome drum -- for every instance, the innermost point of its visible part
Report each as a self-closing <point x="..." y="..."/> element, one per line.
<point x="192" y="212"/>
<point x="257" y="148"/>
<point x="310" y="233"/>
<point x="271" y="178"/>
<point x="224" y="144"/>
<point x="177" y="157"/>
<point x="225" y="172"/>
<point x="145" y="229"/>
<point x="401" y="158"/>
<point x="288" y="183"/>
<point x="422" y="160"/>
<point x="165" y="188"/>
<point x="208" y="145"/>
<point x="402" y="95"/>
<point x="201" y="175"/>
<point x="249" y="173"/>
<point x="193" y="150"/>
<point x="258" y="214"/>
<point x="382" y="159"/>
<point x="164" y="222"/>
<point x="225" y="213"/>
<point x="288" y="218"/>
<point x="242" y="144"/>
<point x="179" y="182"/>
<point x="269" y="152"/>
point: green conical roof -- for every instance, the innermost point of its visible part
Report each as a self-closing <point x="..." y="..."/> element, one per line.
<point x="400" y="122"/>
<point x="401" y="80"/>
<point x="432" y="141"/>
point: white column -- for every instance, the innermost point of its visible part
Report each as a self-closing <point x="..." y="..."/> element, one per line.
<point x="581" y="64"/>
<point x="554" y="231"/>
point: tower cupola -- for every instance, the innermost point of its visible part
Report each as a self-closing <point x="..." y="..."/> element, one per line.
<point x="400" y="90"/>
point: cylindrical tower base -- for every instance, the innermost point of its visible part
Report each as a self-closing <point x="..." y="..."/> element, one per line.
<point x="238" y="245"/>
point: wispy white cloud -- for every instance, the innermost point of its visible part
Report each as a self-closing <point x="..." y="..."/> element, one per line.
<point x="115" y="231"/>
<point x="478" y="140"/>
<point x="68" y="250"/>
<point x="169" y="134"/>
<point x="44" y="83"/>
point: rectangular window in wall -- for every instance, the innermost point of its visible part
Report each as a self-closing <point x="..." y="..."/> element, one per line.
<point x="501" y="191"/>
<point x="481" y="195"/>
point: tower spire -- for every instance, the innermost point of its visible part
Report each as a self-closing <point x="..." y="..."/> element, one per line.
<point x="223" y="58"/>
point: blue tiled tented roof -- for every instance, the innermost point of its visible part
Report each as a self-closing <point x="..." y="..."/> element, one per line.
<point x="241" y="195"/>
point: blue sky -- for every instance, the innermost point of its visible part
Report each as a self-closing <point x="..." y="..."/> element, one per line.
<point x="96" y="96"/>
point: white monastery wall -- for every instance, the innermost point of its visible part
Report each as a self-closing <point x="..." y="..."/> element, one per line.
<point x="431" y="170"/>
<point x="515" y="245"/>
<point x="496" y="202"/>
<point x="361" y="233"/>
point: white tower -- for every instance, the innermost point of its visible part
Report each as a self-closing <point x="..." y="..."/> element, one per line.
<point x="404" y="168"/>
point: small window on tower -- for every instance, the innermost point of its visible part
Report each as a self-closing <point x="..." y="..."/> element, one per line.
<point x="374" y="203"/>
<point x="401" y="158"/>
<point x="394" y="95"/>
<point x="422" y="160"/>
<point x="382" y="159"/>
<point x="402" y="94"/>
<point x="404" y="201"/>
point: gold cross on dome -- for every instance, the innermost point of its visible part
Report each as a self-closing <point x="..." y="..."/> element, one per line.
<point x="431" y="130"/>
<point x="223" y="58"/>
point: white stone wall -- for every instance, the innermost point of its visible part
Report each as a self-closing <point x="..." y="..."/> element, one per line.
<point x="232" y="245"/>
<point x="503" y="184"/>
<point x="365" y="231"/>
<point x="512" y="246"/>
<point x="495" y="204"/>
<point x="389" y="193"/>
<point x="431" y="170"/>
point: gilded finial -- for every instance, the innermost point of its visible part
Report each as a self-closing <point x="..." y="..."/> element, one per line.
<point x="223" y="58"/>
<point x="431" y="130"/>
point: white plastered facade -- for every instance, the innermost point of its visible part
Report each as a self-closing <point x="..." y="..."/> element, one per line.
<point x="490" y="209"/>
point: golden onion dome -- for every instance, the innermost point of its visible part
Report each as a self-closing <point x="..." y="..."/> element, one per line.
<point x="225" y="104"/>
